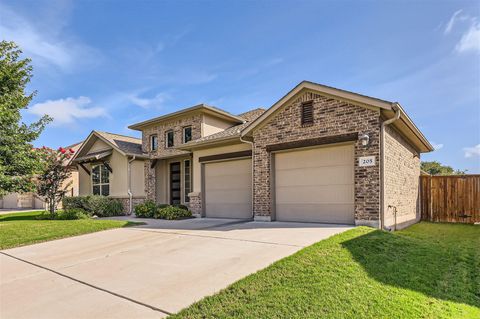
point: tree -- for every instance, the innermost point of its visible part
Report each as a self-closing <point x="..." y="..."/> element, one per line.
<point x="54" y="171"/>
<point x="18" y="160"/>
<point x="435" y="168"/>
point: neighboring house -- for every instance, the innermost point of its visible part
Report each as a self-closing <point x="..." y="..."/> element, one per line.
<point x="32" y="200"/>
<point x="319" y="154"/>
<point x="111" y="165"/>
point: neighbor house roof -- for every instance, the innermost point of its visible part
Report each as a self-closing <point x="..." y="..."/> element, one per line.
<point x="126" y="145"/>
<point x="387" y="109"/>
<point x="200" y="107"/>
<point x="230" y="133"/>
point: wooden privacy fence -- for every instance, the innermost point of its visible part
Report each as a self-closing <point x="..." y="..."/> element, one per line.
<point x="453" y="198"/>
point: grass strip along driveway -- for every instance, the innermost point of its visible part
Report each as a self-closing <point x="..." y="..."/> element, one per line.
<point x="18" y="229"/>
<point x="425" y="271"/>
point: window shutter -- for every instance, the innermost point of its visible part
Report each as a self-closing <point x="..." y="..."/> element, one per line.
<point x="307" y="112"/>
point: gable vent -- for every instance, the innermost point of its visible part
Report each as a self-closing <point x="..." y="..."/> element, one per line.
<point x="307" y="112"/>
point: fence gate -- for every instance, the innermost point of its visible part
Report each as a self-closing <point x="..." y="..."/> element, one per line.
<point x="453" y="198"/>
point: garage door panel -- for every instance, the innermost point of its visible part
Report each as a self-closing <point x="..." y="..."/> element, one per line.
<point x="228" y="189"/>
<point x="331" y="213"/>
<point x="315" y="194"/>
<point x="325" y="156"/>
<point x="315" y="185"/>
<point x="302" y="176"/>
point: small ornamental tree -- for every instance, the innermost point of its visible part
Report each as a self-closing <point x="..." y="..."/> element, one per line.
<point x="53" y="174"/>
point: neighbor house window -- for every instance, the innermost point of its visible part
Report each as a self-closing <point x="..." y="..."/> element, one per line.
<point x="187" y="180"/>
<point x="187" y="134"/>
<point x="153" y="142"/>
<point x="169" y="139"/>
<point x="100" y="180"/>
<point x="307" y="112"/>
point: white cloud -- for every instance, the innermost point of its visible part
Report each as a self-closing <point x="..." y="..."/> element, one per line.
<point x="45" y="45"/>
<point x="470" y="40"/>
<point x="155" y="101"/>
<point x="451" y="22"/>
<point x="472" y="151"/>
<point x="437" y="146"/>
<point x="65" y="111"/>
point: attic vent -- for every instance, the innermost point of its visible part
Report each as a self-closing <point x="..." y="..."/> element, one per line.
<point x="307" y="112"/>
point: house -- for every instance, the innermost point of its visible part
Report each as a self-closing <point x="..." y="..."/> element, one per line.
<point x="319" y="154"/>
<point x="111" y="165"/>
<point x="31" y="200"/>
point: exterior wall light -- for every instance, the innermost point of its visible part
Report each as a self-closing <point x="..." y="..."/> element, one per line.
<point x="364" y="139"/>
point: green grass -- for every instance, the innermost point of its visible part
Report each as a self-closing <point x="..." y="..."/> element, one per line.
<point x="425" y="271"/>
<point x="20" y="229"/>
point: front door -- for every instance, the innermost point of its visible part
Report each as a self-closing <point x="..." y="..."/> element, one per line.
<point x="175" y="183"/>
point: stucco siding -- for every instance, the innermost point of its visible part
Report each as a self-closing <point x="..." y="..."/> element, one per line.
<point x="212" y="125"/>
<point x="137" y="178"/>
<point x="402" y="173"/>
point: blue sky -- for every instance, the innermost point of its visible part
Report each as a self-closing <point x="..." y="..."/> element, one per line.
<point x="107" y="64"/>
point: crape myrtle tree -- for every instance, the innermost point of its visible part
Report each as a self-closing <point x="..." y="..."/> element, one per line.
<point x="52" y="176"/>
<point x="18" y="159"/>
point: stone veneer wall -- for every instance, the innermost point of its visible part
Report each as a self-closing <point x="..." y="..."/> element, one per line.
<point x="402" y="175"/>
<point x="126" y="202"/>
<point x="195" y="203"/>
<point x="331" y="117"/>
<point x="160" y="129"/>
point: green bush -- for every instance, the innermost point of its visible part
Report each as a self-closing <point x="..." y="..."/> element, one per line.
<point x="72" y="213"/>
<point x="73" y="202"/>
<point x="181" y="206"/>
<point x="103" y="206"/>
<point x="172" y="212"/>
<point x="146" y="209"/>
<point x="162" y="205"/>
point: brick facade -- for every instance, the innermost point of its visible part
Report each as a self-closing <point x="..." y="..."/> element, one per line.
<point x="195" y="203"/>
<point x="331" y="117"/>
<point x="160" y="129"/>
<point x="401" y="174"/>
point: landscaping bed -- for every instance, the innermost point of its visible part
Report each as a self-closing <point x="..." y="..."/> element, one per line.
<point x="425" y="271"/>
<point x="18" y="229"/>
<point x="150" y="209"/>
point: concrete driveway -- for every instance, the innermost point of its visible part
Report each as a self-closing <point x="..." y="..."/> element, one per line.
<point x="148" y="271"/>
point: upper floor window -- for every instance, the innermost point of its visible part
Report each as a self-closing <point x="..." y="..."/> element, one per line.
<point x="187" y="134"/>
<point x="100" y="180"/>
<point x="169" y="139"/>
<point x="153" y="142"/>
<point x="307" y="112"/>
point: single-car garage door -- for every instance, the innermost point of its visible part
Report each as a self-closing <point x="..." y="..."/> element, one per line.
<point x="228" y="189"/>
<point x="315" y="185"/>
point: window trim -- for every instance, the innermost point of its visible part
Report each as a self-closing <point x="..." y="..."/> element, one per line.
<point x="100" y="176"/>
<point x="151" y="142"/>
<point x="166" y="138"/>
<point x="183" y="133"/>
<point x="186" y="199"/>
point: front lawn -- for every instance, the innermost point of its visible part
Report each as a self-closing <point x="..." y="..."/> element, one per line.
<point x="18" y="229"/>
<point x="426" y="271"/>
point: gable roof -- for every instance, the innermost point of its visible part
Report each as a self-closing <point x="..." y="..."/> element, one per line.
<point x="387" y="109"/>
<point x="200" y="107"/>
<point x="125" y="145"/>
<point x="229" y="133"/>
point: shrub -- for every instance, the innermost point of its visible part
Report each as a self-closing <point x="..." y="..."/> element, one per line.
<point x="103" y="206"/>
<point x="172" y="212"/>
<point x="73" y="213"/>
<point x="73" y="202"/>
<point x="162" y="205"/>
<point x="181" y="206"/>
<point x="146" y="209"/>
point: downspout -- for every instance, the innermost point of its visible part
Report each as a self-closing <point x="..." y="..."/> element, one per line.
<point x="130" y="196"/>
<point x="396" y="108"/>
<point x="251" y="143"/>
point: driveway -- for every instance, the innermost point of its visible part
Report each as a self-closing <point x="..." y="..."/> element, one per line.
<point x="143" y="272"/>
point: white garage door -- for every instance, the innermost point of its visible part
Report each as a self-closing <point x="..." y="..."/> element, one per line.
<point x="228" y="189"/>
<point x="315" y="185"/>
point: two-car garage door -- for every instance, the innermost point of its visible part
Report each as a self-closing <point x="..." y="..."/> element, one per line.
<point x="228" y="189"/>
<point x="315" y="185"/>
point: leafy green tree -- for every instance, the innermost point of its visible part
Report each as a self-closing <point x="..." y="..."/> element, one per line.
<point x="18" y="160"/>
<point x="435" y="168"/>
